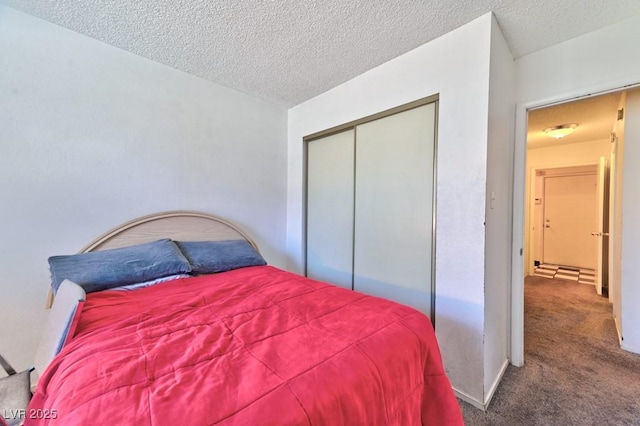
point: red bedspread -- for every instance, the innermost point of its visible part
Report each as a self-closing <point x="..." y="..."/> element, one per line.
<point x="252" y="346"/>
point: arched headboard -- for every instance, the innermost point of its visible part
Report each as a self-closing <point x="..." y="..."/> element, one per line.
<point x="181" y="225"/>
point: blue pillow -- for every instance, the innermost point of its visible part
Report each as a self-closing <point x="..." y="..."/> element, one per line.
<point x="106" y="269"/>
<point x="209" y="257"/>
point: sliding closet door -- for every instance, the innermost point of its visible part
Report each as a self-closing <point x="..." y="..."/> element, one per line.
<point x="330" y="208"/>
<point x="394" y="207"/>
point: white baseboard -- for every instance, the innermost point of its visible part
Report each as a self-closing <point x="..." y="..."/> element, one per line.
<point x="615" y="320"/>
<point x="492" y="390"/>
<point x="494" y="385"/>
<point x="466" y="398"/>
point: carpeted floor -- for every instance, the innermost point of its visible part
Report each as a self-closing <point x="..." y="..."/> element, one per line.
<point x="575" y="372"/>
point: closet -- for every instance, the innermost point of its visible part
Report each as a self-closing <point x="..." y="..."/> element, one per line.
<point x="370" y="205"/>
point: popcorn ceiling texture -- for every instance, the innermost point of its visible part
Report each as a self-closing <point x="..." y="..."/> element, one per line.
<point x="288" y="51"/>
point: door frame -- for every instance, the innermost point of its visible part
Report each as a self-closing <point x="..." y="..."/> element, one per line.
<point x="516" y="325"/>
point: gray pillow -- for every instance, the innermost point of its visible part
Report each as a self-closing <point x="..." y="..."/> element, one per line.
<point x="209" y="257"/>
<point x="60" y="318"/>
<point x="15" y="396"/>
<point x="105" y="269"/>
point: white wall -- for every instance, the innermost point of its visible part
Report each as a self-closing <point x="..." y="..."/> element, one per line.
<point x="630" y="288"/>
<point x="498" y="207"/>
<point x="92" y="136"/>
<point x="457" y="67"/>
<point x="599" y="61"/>
<point x="568" y="154"/>
<point x="555" y="156"/>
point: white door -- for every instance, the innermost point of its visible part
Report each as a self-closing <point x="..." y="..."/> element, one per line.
<point x="600" y="234"/>
<point x="330" y="208"/>
<point x="394" y="207"/>
<point x="570" y="207"/>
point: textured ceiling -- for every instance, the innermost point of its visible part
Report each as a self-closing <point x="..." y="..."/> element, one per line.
<point x="288" y="51"/>
<point x="594" y="116"/>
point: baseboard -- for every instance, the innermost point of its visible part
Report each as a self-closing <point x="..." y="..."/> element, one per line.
<point x="494" y="386"/>
<point x="626" y="347"/>
<point x="466" y="398"/>
<point x="615" y="320"/>
<point x="492" y="390"/>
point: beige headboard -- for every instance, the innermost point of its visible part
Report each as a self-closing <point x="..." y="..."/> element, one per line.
<point x="177" y="225"/>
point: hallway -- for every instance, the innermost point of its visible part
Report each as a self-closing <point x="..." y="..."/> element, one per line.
<point x="574" y="373"/>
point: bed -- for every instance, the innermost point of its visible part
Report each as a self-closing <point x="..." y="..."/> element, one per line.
<point x="248" y="344"/>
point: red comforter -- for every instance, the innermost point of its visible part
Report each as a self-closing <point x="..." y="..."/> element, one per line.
<point x="252" y="346"/>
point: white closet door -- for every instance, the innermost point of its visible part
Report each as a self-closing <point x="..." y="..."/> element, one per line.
<point x="330" y="208"/>
<point x="394" y="207"/>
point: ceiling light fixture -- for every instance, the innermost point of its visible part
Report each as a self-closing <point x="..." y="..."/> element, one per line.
<point x="560" y="131"/>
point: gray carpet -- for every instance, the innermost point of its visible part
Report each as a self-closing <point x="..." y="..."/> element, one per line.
<point x="575" y="372"/>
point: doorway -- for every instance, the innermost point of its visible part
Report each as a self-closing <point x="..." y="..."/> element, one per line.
<point x="583" y="147"/>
